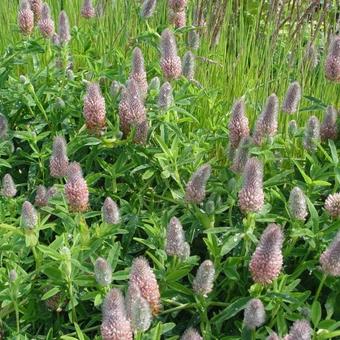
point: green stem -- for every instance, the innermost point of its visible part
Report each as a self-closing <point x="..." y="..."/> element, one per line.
<point x="320" y="287"/>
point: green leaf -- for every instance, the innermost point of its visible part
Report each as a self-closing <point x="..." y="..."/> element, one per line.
<point x="316" y="313"/>
<point x="231" y="310"/>
<point x="50" y="293"/>
<point x="231" y="243"/>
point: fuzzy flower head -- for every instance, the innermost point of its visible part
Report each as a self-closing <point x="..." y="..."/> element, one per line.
<point x="177" y="19"/>
<point x="193" y="40"/>
<point x="3" y="126"/>
<point x="155" y="84"/>
<point x="88" y="11"/>
<point x="297" y="204"/>
<point x="332" y="64"/>
<point x="102" y="272"/>
<point x="312" y="134"/>
<point x="8" y="186"/>
<point x="241" y="155"/>
<point x="148" y="9"/>
<point x="251" y="196"/>
<point x="115" y="325"/>
<point x="94" y="109"/>
<point x="165" y="98"/>
<point x="204" y="281"/>
<point x="43" y="195"/>
<point x="25" y="18"/>
<point x="36" y="7"/>
<point x="138" y="72"/>
<point x="175" y="240"/>
<point x="170" y="61"/>
<point x="328" y="128"/>
<point x="177" y="5"/>
<point x="195" y="188"/>
<point x="111" y="213"/>
<point x="29" y="216"/>
<point x="46" y="24"/>
<point x="142" y="275"/>
<point x="138" y="309"/>
<point x="76" y="190"/>
<point x="64" y="28"/>
<point x="292" y="128"/>
<point x="132" y="113"/>
<point x="59" y="159"/>
<point x="330" y="258"/>
<point x="332" y="205"/>
<point x="292" y="98"/>
<point x="267" y="123"/>
<point x="191" y="334"/>
<point x="267" y="260"/>
<point x="189" y="65"/>
<point x="254" y="314"/>
<point x="301" y="330"/>
<point x="238" y="124"/>
<point x="273" y="336"/>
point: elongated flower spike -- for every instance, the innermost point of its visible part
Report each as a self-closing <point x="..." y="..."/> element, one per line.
<point x="41" y="196"/>
<point x="189" y="65"/>
<point x="204" y="281"/>
<point x="193" y="40"/>
<point x="46" y="24"/>
<point x="64" y="35"/>
<point x="251" y="196"/>
<point x="94" y="109"/>
<point x="138" y="72"/>
<point x="177" y="19"/>
<point x="328" y="128"/>
<point x="266" y="262"/>
<point x="115" y="325"/>
<point x="177" y="5"/>
<point x="330" y="258"/>
<point x="292" y="128"/>
<point x="88" y="11"/>
<point x="292" y="98"/>
<point x="267" y="123"/>
<point x="254" y="314"/>
<point x="241" y="155"/>
<point x="332" y="64"/>
<point x="59" y="159"/>
<point x="148" y="8"/>
<point x="29" y="216"/>
<point x="36" y="7"/>
<point x="111" y="213"/>
<point x="175" y="240"/>
<point x="332" y="205"/>
<point x="25" y="18"/>
<point x="165" y="98"/>
<point x="297" y="204"/>
<point x="312" y="134"/>
<point x="138" y="309"/>
<point x="8" y="186"/>
<point x="76" y="190"/>
<point x="191" y="334"/>
<point x="142" y="275"/>
<point x="3" y="127"/>
<point x="132" y="113"/>
<point x="102" y="272"/>
<point x="301" y="330"/>
<point x="170" y="61"/>
<point x="195" y="188"/>
<point x="238" y="124"/>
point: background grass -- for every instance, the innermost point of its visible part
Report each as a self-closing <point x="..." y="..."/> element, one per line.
<point x="257" y="54"/>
